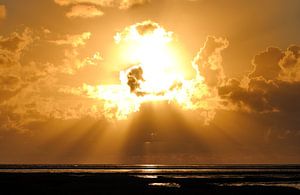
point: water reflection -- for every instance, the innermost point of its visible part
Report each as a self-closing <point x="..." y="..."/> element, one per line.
<point x="168" y="185"/>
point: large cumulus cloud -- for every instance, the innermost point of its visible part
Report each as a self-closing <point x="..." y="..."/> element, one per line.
<point x="272" y="86"/>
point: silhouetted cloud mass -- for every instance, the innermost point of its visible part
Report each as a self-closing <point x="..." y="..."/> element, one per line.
<point x="272" y="86"/>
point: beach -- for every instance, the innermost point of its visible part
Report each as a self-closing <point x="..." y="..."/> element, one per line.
<point x="149" y="180"/>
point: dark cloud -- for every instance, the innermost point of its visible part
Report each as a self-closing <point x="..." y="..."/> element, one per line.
<point x="254" y="98"/>
<point x="273" y="86"/>
<point x="266" y="64"/>
<point x="146" y="27"/>
<point x="134" y="79"/>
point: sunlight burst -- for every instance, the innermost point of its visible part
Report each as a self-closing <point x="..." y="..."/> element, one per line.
<point x="153" y="74"/>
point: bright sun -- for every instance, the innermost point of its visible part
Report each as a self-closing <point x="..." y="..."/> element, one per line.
<point x="148" y="47"/>
<point x="153" y="73"/>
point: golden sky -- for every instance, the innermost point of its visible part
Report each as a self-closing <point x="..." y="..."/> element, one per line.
<point x="149" y="81"/>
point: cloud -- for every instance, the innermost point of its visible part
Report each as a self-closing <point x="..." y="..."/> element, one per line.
<point x="11" y="49"/>
<point x="9" y="83"/>
<point x="84" y="11"/>
<point x="134" y="77"/>
<point x="17" y="80"/>
<point x="89" y="8"/>
<point x="277" y="64"/>
<point x="126" y="4"/>
<point x="273" y="85"/>
<point x="74" y="40"/>
<point x="16" y="42"/>
<point x="140" y="30"/>
<point x="208" y="61"/>
<point x="121" y="4"/>
<point x="266" y="64"/>
<point x="253" y="98"/>
<point x="30" y="89"/>
<point x="72" y="45"/>
<point x="290" y="65"/>
<point x="104" y="3"/>
<point x="2" y="11"/>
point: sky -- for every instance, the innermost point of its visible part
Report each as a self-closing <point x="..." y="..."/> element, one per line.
<point x="149" y="81"/>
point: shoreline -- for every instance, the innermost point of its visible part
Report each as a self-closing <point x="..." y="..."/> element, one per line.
<point x="121" y="183"/>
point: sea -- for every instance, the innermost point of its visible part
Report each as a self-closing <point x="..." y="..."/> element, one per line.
<point x="177" y="178"/>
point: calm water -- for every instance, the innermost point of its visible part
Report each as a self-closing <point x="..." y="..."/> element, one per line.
<point x="170" y="176"/>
